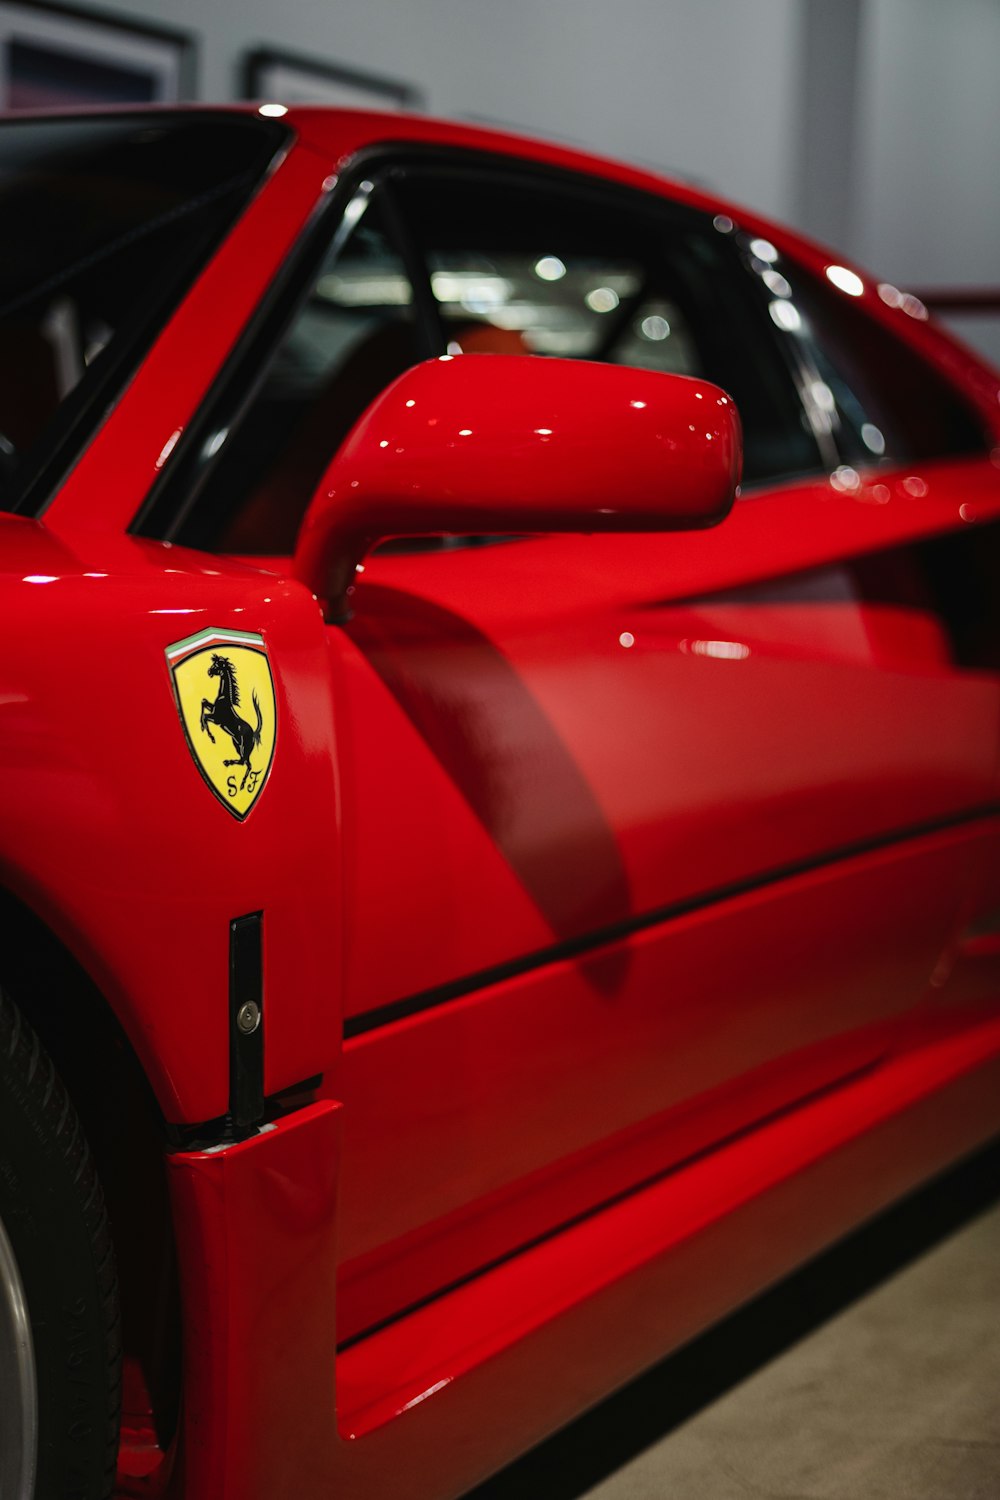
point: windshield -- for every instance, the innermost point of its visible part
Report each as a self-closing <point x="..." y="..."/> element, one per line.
<point x="104" y="222"/>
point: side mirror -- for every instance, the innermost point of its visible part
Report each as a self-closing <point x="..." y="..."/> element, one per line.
<point x="481" y="443"/>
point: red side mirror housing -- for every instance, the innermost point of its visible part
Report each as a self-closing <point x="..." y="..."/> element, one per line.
<point x="481" y="443"/>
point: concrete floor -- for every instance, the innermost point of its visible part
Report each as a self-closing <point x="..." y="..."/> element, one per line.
<point x="873" y="1374"/>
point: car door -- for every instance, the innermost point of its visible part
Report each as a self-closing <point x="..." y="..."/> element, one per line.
<point x="645" y="838"/>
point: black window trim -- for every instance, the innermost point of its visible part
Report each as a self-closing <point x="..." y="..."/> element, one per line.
<point x="174" y="491"/>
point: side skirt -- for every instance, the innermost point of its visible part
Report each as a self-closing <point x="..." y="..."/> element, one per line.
<point x="457" y="1388"/>
<point x="429" y="1405"/>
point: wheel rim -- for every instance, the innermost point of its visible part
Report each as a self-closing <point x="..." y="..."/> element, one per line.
<point x="18" y="1384"/>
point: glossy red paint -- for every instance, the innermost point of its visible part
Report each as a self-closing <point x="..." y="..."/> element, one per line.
<point x="256" y="1226"/>
<point x="672" y="1049"/>
<point x="94" y="788"/>
<point x="604" y="852"/>
<point x="664" y="809"/>
<point x="512" y="443"/>
<point x="445" y="1395"/>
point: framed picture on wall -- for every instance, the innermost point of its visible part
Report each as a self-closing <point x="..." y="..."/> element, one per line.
<point x="291" y="79"/>
<point x="55" y="56"/>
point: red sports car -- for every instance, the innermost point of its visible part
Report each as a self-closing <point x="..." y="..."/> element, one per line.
<point x="477" y="903"/>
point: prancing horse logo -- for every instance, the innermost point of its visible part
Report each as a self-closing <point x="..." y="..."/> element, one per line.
<point x="222" y="713"/>
<point x="212" y="671"/>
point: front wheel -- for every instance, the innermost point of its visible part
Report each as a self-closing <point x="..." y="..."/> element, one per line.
<point x="60" y="1340"/>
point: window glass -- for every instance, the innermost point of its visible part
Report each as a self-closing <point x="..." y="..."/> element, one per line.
<point x="497" y="261"/>
<point x="355" y="332"/>
<point x="529" y="303"/>
<point x="543" y="267"/>
<point x="869" y="396"/>
<point x="107" y="219"/>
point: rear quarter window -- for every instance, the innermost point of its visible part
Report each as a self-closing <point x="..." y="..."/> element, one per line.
<point x="868" y="391"/>
<point x="106" y="221"/>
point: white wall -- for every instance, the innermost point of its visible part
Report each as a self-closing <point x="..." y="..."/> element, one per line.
<point x="928" y="168"/>
<point x="872" y="123"/>
<point x="704" y="86"/>
<point x="929" y="171"/>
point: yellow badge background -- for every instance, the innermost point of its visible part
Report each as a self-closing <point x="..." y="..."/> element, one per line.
<point x="191" y="684"/>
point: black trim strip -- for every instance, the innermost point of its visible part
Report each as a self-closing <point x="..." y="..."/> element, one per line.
<point x="246" y="1047"/>
<point x="204" y="1135"/>
<point x="399" y="1010"/>
<point x="175" y="489"/>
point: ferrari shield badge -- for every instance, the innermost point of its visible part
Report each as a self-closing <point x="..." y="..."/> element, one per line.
<point x="225" y="695"/>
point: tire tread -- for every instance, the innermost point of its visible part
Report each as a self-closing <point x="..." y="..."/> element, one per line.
<point x="49" y="1104"/>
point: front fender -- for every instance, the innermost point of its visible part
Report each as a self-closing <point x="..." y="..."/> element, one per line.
<point x="109" y="832"/>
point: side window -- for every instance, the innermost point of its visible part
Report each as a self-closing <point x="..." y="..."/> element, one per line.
<point x="106" y="220"/>
<point x="497" y="260"/>
<point x="353" y="334"/>
<point x="869" y="396"/>
<point x="537" y="266"/>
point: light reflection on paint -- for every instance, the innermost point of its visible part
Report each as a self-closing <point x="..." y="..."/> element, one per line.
<point x="431" y="1390"/>
<point x="846" y="480"/>
<point x="168" y="448"/>
<point x="720" y="650"/>
<point x="845" y="280"/>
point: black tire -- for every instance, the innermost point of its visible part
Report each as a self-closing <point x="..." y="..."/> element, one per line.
<point x="52" y="1209"/>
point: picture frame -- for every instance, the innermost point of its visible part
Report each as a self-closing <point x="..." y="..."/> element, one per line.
<point x="291" y="78"/>
<point x="55" y="56"/>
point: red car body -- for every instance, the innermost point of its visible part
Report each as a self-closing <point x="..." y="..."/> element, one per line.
<point x="630" y="906"/>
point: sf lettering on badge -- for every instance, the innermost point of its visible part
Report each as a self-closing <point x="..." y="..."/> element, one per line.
<point x="225" y="696"/>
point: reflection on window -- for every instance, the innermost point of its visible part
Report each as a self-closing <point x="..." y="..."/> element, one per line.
<point x="570" y="306"/>
<point x="518" y="264"/>
<point x="867" y="396"/>
<point x="504" y="263"/>
<point x="353" y="335"/>
<point x="106" y="219"/>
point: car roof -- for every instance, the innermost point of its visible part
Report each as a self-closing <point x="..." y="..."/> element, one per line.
<point x="343" y="131"/>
